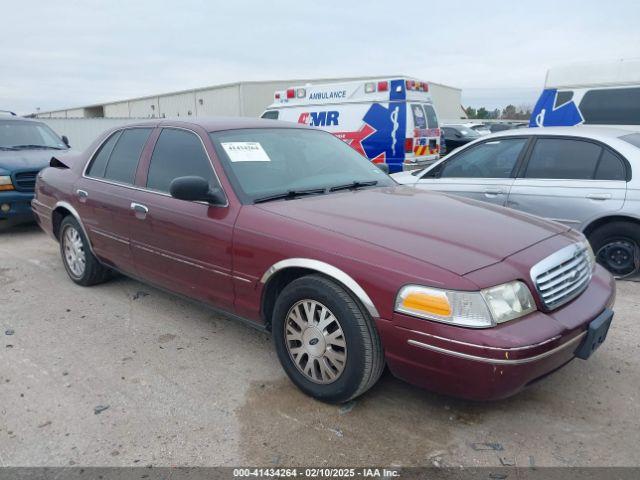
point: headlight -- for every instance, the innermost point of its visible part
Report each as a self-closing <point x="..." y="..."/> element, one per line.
<point x="5" y="183"/>
<point x="508" y="301"/>
<point x="467" y="309"/>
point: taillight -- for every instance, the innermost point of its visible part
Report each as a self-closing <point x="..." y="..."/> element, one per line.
<point x="408" y="145"/>
<point x="383" y="86"/>
<point x="278" y="96"/>
<point x="291" y="93"/>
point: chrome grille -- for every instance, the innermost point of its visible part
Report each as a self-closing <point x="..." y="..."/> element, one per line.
<point x="564" y="275"/>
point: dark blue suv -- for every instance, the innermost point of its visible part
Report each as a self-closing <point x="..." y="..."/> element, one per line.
<point x="25" y="148"/>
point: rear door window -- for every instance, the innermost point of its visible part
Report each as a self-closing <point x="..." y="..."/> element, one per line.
<point x="177" y="153"/>
<point x="612" y="106"/>
<point x="123" y="160"/>
<point x="561" y="158"/>
<point x="492" y="159"/>
<point x="419" y="119"/>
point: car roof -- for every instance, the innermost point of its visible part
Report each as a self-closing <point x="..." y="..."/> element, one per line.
<point x="213" y="124"/>
<point x="16" y="118"/>
<point x="585" y="131"/>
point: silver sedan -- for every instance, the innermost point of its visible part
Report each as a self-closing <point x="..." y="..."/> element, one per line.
<point x="585" y="177"/>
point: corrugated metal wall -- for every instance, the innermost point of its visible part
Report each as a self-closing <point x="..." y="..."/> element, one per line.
<point x="248" y="99"/>
<point x="222" y="101"/>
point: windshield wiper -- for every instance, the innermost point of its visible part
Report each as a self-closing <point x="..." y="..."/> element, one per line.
<point x="25" y="147"/>
<point x="353" y="185"/>
<point x="289" y="195"/>
<point x="7" y="148"/>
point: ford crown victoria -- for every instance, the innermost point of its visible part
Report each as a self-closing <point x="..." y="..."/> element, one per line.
<point x="288" y="228"/>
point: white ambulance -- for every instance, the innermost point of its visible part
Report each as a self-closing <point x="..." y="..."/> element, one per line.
<point x="388" y="120"/>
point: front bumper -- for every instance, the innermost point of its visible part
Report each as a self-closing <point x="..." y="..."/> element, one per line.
<point x="20" y="207"/>
<point x="498" y="362"/>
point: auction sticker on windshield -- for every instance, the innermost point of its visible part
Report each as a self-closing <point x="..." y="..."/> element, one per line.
<point x="245" y="152"/>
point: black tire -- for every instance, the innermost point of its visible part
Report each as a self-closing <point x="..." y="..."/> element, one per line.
<point x="364" y="355"/>
<point x="94" y="272"/>
<point x="617" y="248"/>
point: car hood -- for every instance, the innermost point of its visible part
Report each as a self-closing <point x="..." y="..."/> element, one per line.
<point x="454" y="233"/>
<point x="27" y="159"/>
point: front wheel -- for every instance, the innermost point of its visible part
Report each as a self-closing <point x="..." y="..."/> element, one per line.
<point x="617" y="248"/>
<point x="326" y="343"/>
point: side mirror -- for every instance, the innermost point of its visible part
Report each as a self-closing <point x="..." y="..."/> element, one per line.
<point x="193" y="189"/>
<point x="383" y="166"/>
<point x="65" y="139"/>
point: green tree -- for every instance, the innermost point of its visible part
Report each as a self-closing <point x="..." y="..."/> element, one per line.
<point x="509" y="112"/>
<point x="482" y="113"/>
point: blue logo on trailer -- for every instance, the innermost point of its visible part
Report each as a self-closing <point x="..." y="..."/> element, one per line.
<point x="546" y="114"/>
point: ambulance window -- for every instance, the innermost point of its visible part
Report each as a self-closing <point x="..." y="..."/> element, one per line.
<point x="611" y="106"/>
<point x="271" y="114"/>
<point x="432" y="118"/>
<point x="562" y="98"/>
<point x="419" y="120"/>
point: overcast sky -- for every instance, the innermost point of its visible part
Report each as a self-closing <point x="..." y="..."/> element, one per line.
<point x="72" y="53"/>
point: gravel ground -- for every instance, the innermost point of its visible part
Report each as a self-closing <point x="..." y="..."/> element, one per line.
<point x="123" y="374"/>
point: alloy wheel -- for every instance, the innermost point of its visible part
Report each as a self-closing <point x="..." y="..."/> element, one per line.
<point x="73" y="249"/>
<point x="315" y="341"/>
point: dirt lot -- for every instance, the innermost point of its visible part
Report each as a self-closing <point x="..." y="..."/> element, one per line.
<point x="184" y="386"/>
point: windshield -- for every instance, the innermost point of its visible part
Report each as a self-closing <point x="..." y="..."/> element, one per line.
<point x="17" y="134"/>
<point x="265" y="162"/>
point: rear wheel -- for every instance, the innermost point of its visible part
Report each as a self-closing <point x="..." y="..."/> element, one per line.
<point x="326" y="343"/>
<point x="81" y="265"/>
<point x="617" y="248"/>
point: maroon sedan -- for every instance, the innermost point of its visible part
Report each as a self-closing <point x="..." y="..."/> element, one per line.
<point x="288" y="228"/>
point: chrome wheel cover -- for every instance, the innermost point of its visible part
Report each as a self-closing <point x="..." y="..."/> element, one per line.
<point x="315" y="341"/>
<point x="73" y="252"/>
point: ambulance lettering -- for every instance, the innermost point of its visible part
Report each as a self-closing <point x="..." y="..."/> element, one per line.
<point x="319" y="119"/>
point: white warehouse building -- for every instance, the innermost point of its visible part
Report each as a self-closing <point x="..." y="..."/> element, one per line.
<point x="246" y="99"/>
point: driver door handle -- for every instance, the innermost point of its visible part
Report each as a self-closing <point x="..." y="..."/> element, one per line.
<point x="493" y="191"/>
<point x="140" y="210"/>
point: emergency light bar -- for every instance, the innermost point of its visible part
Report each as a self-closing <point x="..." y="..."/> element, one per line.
<point x="417" y="86"/>
<point x="372" y="87"/>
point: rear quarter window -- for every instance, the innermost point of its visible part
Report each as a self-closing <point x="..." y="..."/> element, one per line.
<point x="100" y="159"/>
<point x="610" y="167"/>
